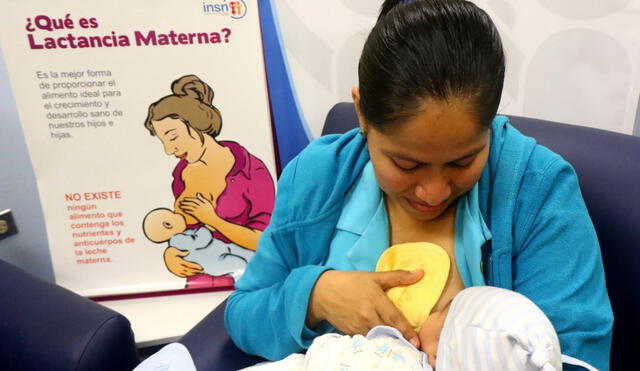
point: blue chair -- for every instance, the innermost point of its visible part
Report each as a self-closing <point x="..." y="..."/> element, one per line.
<point x="46" y="327"/>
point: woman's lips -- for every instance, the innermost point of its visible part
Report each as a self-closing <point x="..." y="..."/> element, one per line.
<point x="424" y="208"/>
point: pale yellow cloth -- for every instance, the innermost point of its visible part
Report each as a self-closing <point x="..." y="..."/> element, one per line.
<point x="416" y="301"/>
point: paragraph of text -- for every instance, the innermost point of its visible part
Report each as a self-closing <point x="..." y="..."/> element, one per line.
<point x="78" y="100"/>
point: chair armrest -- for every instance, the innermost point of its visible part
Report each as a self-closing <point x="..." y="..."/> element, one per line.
<point x="44" y="326"/>
<point x="212" y="349"/>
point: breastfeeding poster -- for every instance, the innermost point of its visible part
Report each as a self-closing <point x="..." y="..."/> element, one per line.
<point x="149" y="131"/>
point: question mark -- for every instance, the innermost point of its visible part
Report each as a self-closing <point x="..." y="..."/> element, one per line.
<point x="226" y="33"/>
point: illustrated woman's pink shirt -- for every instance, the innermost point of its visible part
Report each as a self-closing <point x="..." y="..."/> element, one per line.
<point x="247" y="200"/>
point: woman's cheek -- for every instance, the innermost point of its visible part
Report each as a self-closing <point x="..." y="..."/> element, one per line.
<point x="467" y="179"/>
<point x="393" y="183"/>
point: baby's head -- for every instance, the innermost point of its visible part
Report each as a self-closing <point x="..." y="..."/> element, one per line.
<point x="490" y="326"/>
<point x="161" y="224"/>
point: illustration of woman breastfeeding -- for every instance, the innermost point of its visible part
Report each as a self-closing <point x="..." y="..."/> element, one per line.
<point x="217" y="185"/>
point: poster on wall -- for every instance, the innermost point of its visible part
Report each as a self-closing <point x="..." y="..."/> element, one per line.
<point x="149" y="131"/>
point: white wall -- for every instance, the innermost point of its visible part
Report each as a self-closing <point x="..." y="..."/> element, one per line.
<point x="574" y="61"/>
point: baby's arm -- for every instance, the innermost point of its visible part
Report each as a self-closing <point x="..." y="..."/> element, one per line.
<point x="191" y="240"/>
<point x="202" y="238"/>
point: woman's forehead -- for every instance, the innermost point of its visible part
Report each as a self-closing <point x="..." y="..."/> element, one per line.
<point x="437" y="129"/>
<point x="166" y="125"/>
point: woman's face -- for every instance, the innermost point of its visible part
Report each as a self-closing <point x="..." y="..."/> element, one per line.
<point x="178" y="140"/>
<point x="427" y="162"/>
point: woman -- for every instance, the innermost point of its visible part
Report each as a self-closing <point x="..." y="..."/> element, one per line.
<point x="431" y="162"/>
<point x="219" y="184"/>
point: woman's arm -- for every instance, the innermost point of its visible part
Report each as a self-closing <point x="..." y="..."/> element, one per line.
<point x="280" y="297"/>
<point x="286" y="297"/>
<point x="557" y="263"/>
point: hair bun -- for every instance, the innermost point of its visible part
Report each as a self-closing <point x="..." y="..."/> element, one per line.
<point x="191" y="85"/>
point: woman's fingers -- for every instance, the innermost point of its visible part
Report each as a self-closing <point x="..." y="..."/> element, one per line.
<point x="388" y="312"/>
<point x="190" y="203"/>
<point x="391" y="316"/>
<point x="365" y="320"/>
<point x="198" y="200"/>
<point x="191" y="267"/>
<point x="189" y="208"/>
<point x="387" y="280"/>
<point x="174" y="260"/>
<point x="179" y="252"/>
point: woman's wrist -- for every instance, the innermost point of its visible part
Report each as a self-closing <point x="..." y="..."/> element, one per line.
<point x="211" y="220"/>
<point x="315" y="314"/>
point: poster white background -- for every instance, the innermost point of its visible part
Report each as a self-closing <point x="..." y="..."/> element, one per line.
<point x="124" y="157"/>
<point x="573" y="61"/>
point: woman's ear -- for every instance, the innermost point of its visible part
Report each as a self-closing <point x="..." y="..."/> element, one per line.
<point x="355" y="94"/>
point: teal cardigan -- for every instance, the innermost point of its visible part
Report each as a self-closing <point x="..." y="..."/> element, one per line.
<point x="543" y="244"/>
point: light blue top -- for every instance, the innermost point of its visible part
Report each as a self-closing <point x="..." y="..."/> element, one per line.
<point x="362" y="232"/>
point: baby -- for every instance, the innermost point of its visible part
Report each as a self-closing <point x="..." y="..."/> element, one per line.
<point x="216" y="257"/>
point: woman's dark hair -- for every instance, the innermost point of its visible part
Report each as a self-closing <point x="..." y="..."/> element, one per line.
<point x="437" y="49"/>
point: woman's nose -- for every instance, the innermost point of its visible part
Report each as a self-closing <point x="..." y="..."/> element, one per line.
<point x="434" y="188"/>
<point x="168" y="149"/>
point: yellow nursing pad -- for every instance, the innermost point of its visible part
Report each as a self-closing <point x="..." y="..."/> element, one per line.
<point x="416" y="301"/>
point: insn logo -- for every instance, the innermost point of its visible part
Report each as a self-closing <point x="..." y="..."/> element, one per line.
<point x="235" y="9"/>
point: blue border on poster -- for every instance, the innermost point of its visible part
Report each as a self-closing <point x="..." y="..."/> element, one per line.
<point x="291" y="131"/>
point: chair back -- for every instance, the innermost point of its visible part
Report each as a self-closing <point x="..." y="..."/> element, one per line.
<point x="46" y="327"/>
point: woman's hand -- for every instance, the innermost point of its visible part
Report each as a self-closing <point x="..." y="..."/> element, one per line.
<point x="355" y="302"/>
<point x="200" y="208"/>
<point x="173" y="258"/>
<point x="204" y="211"/>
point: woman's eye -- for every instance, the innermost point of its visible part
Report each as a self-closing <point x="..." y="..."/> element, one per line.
<point x="405" y="165"/>
<point x="462" y="164"/>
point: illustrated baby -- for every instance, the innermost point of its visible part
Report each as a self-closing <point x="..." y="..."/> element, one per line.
<point x="216" y="257"/>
